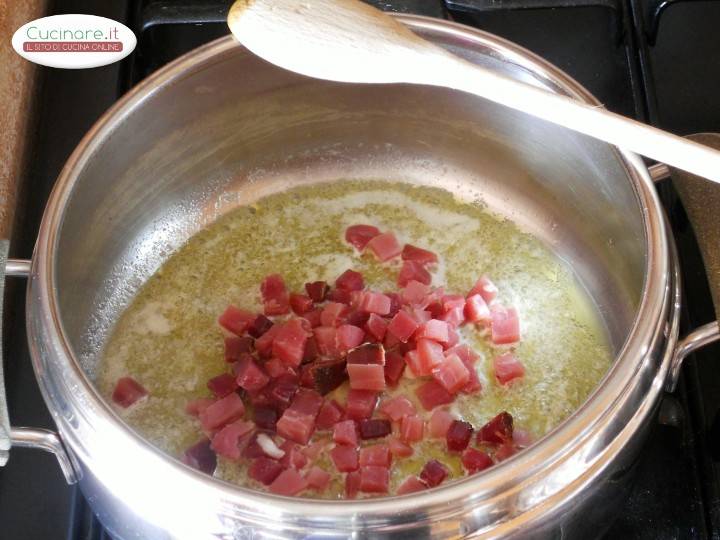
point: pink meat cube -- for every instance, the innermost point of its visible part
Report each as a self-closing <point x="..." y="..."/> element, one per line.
<point x="385" y="246"/>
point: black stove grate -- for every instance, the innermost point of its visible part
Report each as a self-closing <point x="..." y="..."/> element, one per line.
<point x="656" y="60"/>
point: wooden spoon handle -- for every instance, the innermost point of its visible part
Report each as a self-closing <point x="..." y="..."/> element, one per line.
<point x="596" y="121"/>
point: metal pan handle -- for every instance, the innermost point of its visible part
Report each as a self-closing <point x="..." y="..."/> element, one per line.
<point x="701" y="200"/>
<point x="41" y="439"/>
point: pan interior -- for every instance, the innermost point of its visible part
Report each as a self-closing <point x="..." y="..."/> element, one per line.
<point x="235" y="129"/>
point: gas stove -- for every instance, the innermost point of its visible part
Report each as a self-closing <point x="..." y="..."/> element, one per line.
<point x="655" y="60"/>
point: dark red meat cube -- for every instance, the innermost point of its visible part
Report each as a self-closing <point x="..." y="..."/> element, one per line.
<point x="282" y="389"/>
<point x="340" y="296"/>
<point x="222" y="385"/>
<point x="458" y="435"/>
<point x="300" y="303"/>
<point x="236" y="346"/>
<point x="413" y="271"/>
<point x="265" y="417"/>
<point x="201" y="457"/>
<point x="433" y="473"/>
<point x="259" y="326"/>
<point x="311" y="350"/>
<point x="394" y="367"/>
<point x="330" y="414"/>
<point x="423" y="256"/>
<point x="275" y="296"/>
<point x="344" y="457"/>
<point x="127" y="391"/>
<point x="370" y="353"/>
<point x="372" y="429"/>
<point x="235" y="320"/>
<point x="395" y="303"/>
<point x="391" y="343"/>
<point x="360" y="404"/>
<point x="374" y="479"/>
<point x="431" y="394"/>
<point x="475" y="460"/>
<point x="357" y="318"/>
<point x="327" y="375"/>
<point x="317" y="290"/>
<point x="252" y="449"/>
<point x="360" y="235"/>
<point x="350" y="280"/>
<point x="436" y="309"/>
<point x="265" y="470"/>
<point x="497" y="431"/>
<point x="306" y="376"/>
<point x="250" y="376"/>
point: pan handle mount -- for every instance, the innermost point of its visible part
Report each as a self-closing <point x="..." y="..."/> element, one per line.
<point x="701" y="200"/>
<point x="41" y="439"/>
<point x="704" y="335"/>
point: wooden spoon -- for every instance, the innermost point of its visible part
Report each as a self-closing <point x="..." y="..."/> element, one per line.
<point x="349" y="41"/>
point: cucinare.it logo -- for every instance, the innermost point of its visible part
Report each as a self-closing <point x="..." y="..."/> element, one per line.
<point x="74" y="41"/>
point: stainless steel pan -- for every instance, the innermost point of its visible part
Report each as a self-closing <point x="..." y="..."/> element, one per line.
<point x="219" y="128"/>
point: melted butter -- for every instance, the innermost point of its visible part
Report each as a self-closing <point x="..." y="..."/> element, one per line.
<point x="168" y="338"/>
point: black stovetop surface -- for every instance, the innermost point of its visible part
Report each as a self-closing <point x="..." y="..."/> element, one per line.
<point x="656" y="60"/>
